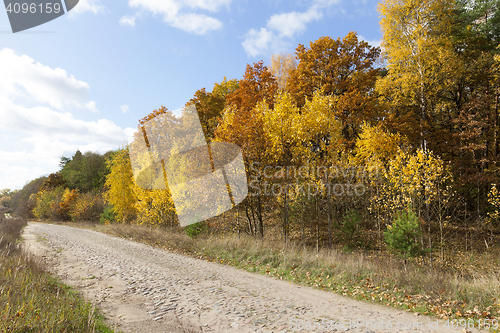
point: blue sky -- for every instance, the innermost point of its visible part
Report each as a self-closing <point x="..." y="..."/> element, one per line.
<point x="83" y="81"/>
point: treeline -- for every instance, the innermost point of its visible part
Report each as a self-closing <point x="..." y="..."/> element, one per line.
<point x="411" y="128"/>
<point x="72" y="193"/>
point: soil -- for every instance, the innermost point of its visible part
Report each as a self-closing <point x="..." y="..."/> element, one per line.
<point x="145" y="289"/>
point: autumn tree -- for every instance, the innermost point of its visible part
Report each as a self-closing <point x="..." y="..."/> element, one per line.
<point x="120" y="186"/>
<point x="320" y="143"/>
<point x="419" y="59"/>
<point x="281" y="126"/>
<point x="225" y="87"/>
<point x="344" y="69"/>
<point x="20" y="203"/>
<point x="47" y="203"/>
<point x="149" y="149"/>
<point x="476" y="37"/>
<point x="54" y="180"/>
<point x="210" y="104"/>
<point x="242" y="124"/>
<point x="376" y="146"/>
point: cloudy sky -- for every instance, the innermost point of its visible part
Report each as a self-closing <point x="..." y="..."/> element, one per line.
<point x="84" y="80"/>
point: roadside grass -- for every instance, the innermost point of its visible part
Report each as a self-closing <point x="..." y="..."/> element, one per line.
<point x="370" y="276"/>
<point x="31" y="299"/>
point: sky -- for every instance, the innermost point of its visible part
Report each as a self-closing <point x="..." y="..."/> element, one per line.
<point x="83" y="80"/>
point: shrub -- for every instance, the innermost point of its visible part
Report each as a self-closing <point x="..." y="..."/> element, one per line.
<point x="194" y="230"/>
<point x="402" y="236"/>
<point x="23" y="201"/>
<point x="68" y="199"/>
<point x="87" y="207"/>
<point x="108" y="215"/>
<point x="47" y="203"/>
<point x="349" y="228"/>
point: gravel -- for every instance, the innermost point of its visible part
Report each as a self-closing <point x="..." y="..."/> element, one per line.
<point x="219" y="298"/>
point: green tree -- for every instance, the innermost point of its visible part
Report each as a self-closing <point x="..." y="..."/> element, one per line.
<point x="85" y="172"/>
<point x="403" y="235"/>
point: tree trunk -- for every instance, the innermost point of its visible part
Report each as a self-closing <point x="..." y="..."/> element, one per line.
<point x="495" y="131"/>
<point x="317" y="227"/>
<point x="328" y="213"/>
<point x="303" y="224"/>
<point x="285" y="212"/>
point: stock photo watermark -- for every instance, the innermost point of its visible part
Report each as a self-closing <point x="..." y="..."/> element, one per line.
<point x="333" y="180"/>
<point x="26" y="14"/>
<point x="366" y="324"/>
<point x="204" y="180"/>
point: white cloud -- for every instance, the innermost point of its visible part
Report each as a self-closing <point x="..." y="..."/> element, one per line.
<point x="125" y="108"/>
<point x="210" y="5"/>
<point x="280" y="30"/>
<point x="91" y="106"/>
<point x="373" y="42"/>
<point x="24" y="79"/>
<point x="263" y="41"/>
<point x="289" y="24"/>
<point x="93" y="6"/>
<point x="44" y="122"/>
<point x="196" y="23"/>
<point x="181" y="14"/>
<point x="128" y="20"/>
<point x="36" y="125"/>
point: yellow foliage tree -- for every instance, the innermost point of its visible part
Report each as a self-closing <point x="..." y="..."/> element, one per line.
<point x="154" y="204"/>
<point x="415" y="179"/>
<point x="154" y="207"/>
<point x="494" y="200"/>
<point x="319" y="128"/>
<point x="67" y="201"/>
<point x="421" y="62"/>
<point x="119" y="186"/>
<point x="375" y="147"/>
<point x="344" y="69"/>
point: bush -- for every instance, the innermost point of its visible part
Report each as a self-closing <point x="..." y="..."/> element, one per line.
<point x="87" y="207"/>
<point x="108" y="215"/>
<point x="23" y="201"/>
<point x="349" y="228"/>
<point x="67" y="201"/>
<point x="5" y="201"/>
<point x="402" y="236"/>
<point x="47" y="203"/>
<point x="194" y="230"/>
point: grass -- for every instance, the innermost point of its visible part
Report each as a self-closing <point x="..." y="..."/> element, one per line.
<point x="370" y="276"/>
<point x="31" y="299"/>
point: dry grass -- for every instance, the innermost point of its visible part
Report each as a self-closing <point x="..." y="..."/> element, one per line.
<point x="371" y="276"/>
<point x="32" y="300"/>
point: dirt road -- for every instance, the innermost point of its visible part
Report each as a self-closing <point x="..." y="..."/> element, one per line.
<point x="143" y="289"/>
